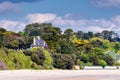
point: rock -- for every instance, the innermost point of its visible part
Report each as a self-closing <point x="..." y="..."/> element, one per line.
<point x="3" y="66"/>
<point x="76" y="67"/>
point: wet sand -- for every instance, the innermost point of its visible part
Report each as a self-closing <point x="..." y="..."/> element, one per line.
<point x="60" y="75"/>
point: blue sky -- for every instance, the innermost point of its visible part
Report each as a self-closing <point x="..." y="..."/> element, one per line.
<point x="85" y="15"/>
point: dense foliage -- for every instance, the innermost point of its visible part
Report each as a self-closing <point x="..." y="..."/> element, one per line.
<point x="63" y="61"/>
<point x="65" y="49"/>
<point x="17" y="59"/>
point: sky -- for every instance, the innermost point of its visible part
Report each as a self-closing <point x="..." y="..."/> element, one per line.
<point x="79" y="15"/>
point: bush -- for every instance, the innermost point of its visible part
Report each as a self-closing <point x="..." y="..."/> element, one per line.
<point x="74" y="57"/>
<point x="117" y="64"/>
<point x="102" y="63"/>
<point x="27" y="52"/>
<point x="15" y="60"/>
<point x="81" y="64"/>
<point x="5" y="50"/>
<point x="94" y="59"/>
<point x="89" y="64"/>
<point x="109" y="60"/>
<point x="84" y="58"/>
<point x="63" y="61"/>
<point x="34" y="66"/>
<point x="38" y="57"/>
<point x="48" y="60"/>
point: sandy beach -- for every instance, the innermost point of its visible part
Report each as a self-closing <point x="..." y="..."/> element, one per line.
<point x="60" y="75"/>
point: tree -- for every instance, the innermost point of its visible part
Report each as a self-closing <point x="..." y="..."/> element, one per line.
<point x="98" y="35"/>
<point x="31" y="27"/>
<point x="80" y="35"/>
<point x="68" y="33"/>
<point x="116" y="46"/>
<point x="63" y="61"/>
<point x="35" y="33"/>
<point x="96" y="42"/>
<point x="94" y="59"/>
<point x="14" y="44"/>
<point x="109" y="60"/>
<point x="2" y="31"/>
<point x="106" y="34"/>
<point x="59" y="31"/>
<point x="21" y="33"/>
<point x="90" y="34"/>
<point x="86" y="36"/>
<point x="65" y="47"/>
<point x="83" y="45"/>
<point x="99" y="52"/>
<point x="84" y="58"/>
<point x="38" y="57"/>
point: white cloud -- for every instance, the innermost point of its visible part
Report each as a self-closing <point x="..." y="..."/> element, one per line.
<point x="7" y="7"/>
<point x="62" y="21"/>
<point x="116" y="20"/>
<point x="12" y="25"/>
<point x="95" y="25"/>
<point x="40" y="18"/>
<point x="107" y="3"/>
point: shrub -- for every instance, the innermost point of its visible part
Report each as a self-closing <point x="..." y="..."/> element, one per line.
<point x="48" y="59"/>
<point x="94" y="59"/>
<point x="74" y="57"/>
<point x="109" y="60"/>
<point x="34" y="66"/>
<point x="81" y="64"/>
<point x="5" y="50"/>
<point x="38" y="57"/>
<point x="102" y="63"/>
<point x="89" y="64"/>
<point x="63" y="61"/>
<point x="15" y="60"/>
<point x="27" y="52"/>
<point x="84" y="58"/>
<point x="117" y="64"/>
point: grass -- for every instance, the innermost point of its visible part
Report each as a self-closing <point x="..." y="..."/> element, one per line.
<point x="17" y="60"/>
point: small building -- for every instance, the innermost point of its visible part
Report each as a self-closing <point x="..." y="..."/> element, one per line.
<point x="38" y="42"/>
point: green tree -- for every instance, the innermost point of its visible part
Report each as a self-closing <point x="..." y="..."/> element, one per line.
<point x="2" y="31"/>
<point x="90" y="34"/>
<point x="38" y="57"/>
<point x="80" y="35"/>
<point x="65" y="47"/>
<point x="84" y="58"/>
<point x="63" y="61"/>
<point x="68" y="33"/>
<point x="116" y="46"/>
<point x="93" y="59"/>
<point x="109" y="60"/>
<point x="99" y="52"/>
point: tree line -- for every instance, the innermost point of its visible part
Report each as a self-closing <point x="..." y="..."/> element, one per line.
<point x="66" y="48"/>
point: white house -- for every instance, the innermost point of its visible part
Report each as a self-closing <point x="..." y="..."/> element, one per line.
<point x="38" y="42"/>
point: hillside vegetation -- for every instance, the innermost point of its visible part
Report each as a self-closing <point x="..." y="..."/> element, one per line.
<point x="19" y="60"/>
<point x="65" y="49"/>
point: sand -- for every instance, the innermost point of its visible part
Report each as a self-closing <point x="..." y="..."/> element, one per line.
<point x="60" y="75"/>
<point x="78" y="79"/>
